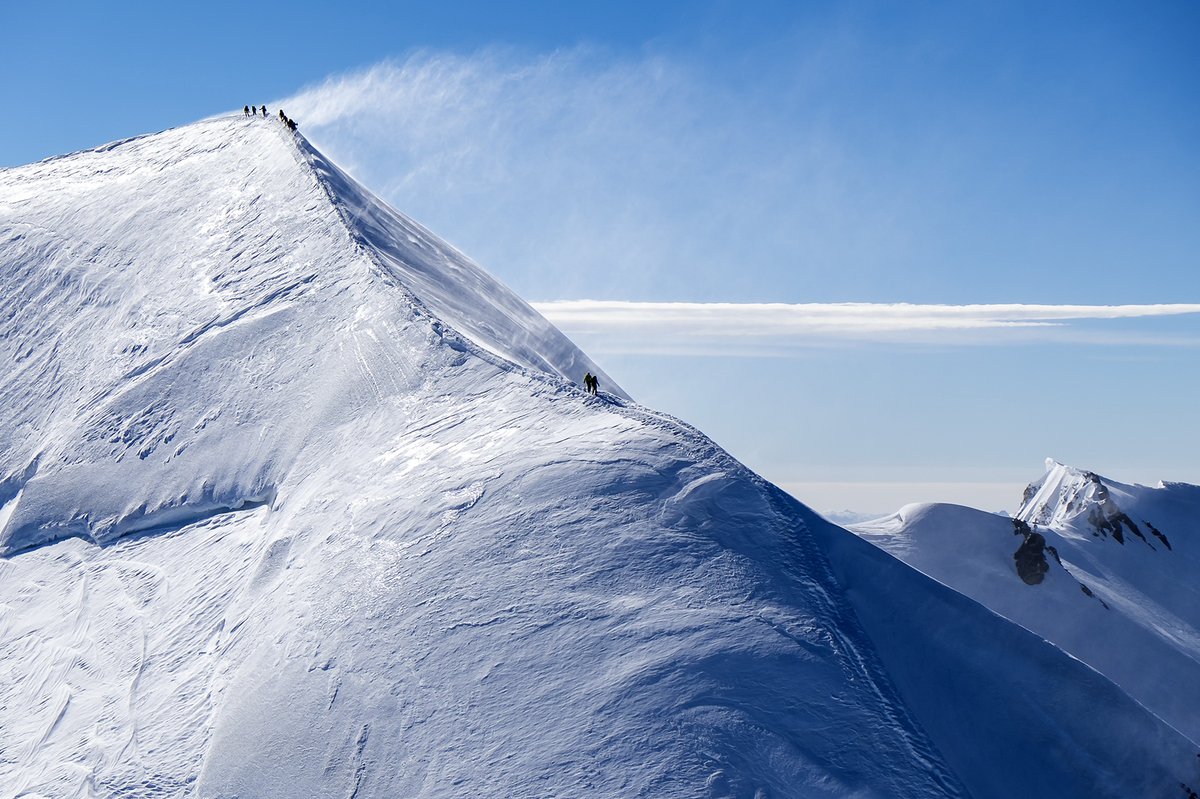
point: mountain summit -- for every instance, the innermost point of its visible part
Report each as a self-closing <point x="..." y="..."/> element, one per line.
<point x="184" y="312"/>
<point x="297" y="501"/>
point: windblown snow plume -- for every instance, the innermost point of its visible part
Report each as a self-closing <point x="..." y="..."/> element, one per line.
<point x="295" y="500"/>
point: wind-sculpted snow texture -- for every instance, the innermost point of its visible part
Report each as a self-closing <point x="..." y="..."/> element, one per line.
<point x="175" y="301"/>
<point x="1126" y="603"/>
<point x="296" y="502"/>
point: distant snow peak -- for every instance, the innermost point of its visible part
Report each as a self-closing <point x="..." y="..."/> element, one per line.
<point x="1129" y="610"/>
<point x="1069" y="499"/>
<point x="847" y="517"/>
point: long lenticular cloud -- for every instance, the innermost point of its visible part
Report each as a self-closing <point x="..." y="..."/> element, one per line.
<point x="688" y="326"/>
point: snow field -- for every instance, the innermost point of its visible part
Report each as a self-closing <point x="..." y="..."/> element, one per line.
<point x="297" y="501"/>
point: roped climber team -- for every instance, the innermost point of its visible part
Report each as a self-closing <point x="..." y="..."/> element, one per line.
<point x="590" y="383"/>
<point x="249" y="110"/>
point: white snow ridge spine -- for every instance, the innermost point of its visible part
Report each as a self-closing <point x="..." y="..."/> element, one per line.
<point x="297" y="501"/>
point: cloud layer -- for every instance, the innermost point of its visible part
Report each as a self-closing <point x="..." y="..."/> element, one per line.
<point x="718" y="328"/>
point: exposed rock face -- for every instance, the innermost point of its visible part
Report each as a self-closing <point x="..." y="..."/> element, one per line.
<point x="1103" y="512"/>
<point x="1030" y="557"/>
<point x="1155" y="532"/>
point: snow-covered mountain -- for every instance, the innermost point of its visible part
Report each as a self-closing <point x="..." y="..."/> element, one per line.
<point x="1103" y="570"/>
<point x="297" y="501"/>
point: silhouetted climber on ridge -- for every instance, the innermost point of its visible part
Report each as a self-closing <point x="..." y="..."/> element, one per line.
<point x="591" y="383"/>
<point x="246" y="110"/>
<point x="264" y="112"/>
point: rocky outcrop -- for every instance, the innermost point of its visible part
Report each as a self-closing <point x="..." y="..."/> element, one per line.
<point x="1155" y="532"/>
<point x="1066" y="497"/>
<point x="1103" y="513"/>
<point x="1030" y="557"/>
<point x="1090" y="593"/>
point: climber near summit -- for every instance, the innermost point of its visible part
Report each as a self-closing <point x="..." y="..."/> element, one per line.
<point x="264" y="110"/>
<point x="246" y="110"/>
<point x="590" y="383"/>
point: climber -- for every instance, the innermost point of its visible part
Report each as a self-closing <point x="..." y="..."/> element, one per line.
<point x="246" y="110"/>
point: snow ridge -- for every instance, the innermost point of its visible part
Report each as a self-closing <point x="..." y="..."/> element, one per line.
<point x="296" y="500"/>
<point x="446" y="286"/>
<point x="1116" y="583"/>
<point x="249" y="302"/>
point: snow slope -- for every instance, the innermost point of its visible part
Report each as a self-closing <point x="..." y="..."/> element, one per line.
<point x="269" y="292"/>
<point x="297" y="501"/>
<point x="1122" y="597"/>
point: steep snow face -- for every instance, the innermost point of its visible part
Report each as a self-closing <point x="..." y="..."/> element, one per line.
<point x="181" y="312"/>
<point x="290" y="510"/>
<point x="1116" y="586"/>
<point x="450" y="287"/>
<point x="297" y="503"/>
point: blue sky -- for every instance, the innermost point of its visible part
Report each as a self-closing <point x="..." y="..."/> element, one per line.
<point x="940" y="154"/>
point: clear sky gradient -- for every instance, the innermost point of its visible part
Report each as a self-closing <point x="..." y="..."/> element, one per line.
<point x="803" y="155"/>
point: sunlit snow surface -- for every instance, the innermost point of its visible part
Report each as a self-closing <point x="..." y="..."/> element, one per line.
<point x="297" y="502"/>
<point x="1129" y="608"/>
